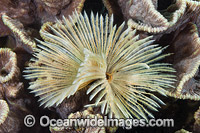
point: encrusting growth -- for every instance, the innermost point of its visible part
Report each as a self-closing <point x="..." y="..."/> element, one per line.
<point x="119" y="70"/>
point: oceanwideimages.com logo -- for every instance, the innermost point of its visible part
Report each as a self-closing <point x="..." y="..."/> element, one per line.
<point x="45" y="121"/>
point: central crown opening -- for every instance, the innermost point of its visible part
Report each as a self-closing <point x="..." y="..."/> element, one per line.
<point x="109" y="77"/>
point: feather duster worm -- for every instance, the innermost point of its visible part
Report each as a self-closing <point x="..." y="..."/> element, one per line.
<point x="118" y="69"/>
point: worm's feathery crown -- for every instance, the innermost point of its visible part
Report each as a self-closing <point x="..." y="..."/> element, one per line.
<point x="118" y="68"/>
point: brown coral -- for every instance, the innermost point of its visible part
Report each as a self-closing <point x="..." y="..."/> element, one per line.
<point x="8" y="65"/>
<point x="193" y="5"/>
<point x="182" y="131"/>
<point x="88" y="113"/>
<point x="197" y="116"/>
<point x="113" y="8"/>
<point x="143" y="15"/>
<point x="186" y="62"/>
<point x="147" y="16"/>
<point x="54" y="6"/>
<point x="14" y="118"/>
<point x="12" y="90"/>
<point x="58" y="4"/>
<point x="11" y="125"/>
<point x="20" y="34"/>
<point x="9" y="76"/>
<point x="4" y="109"/>
<point x="185" y="53"/>
<point x="48" y="9"/>
<point x="8" y="121"/>
<point x="196" y="127"/>
<point x="4" y="30"/>
<point x="72" y="104"/>
<point x="21" y="10"/>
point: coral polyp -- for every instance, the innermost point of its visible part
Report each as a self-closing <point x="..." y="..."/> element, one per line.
<point x="4" y="110"/>
<point x="119" y="70"/>
<point x="8" y="65"/>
